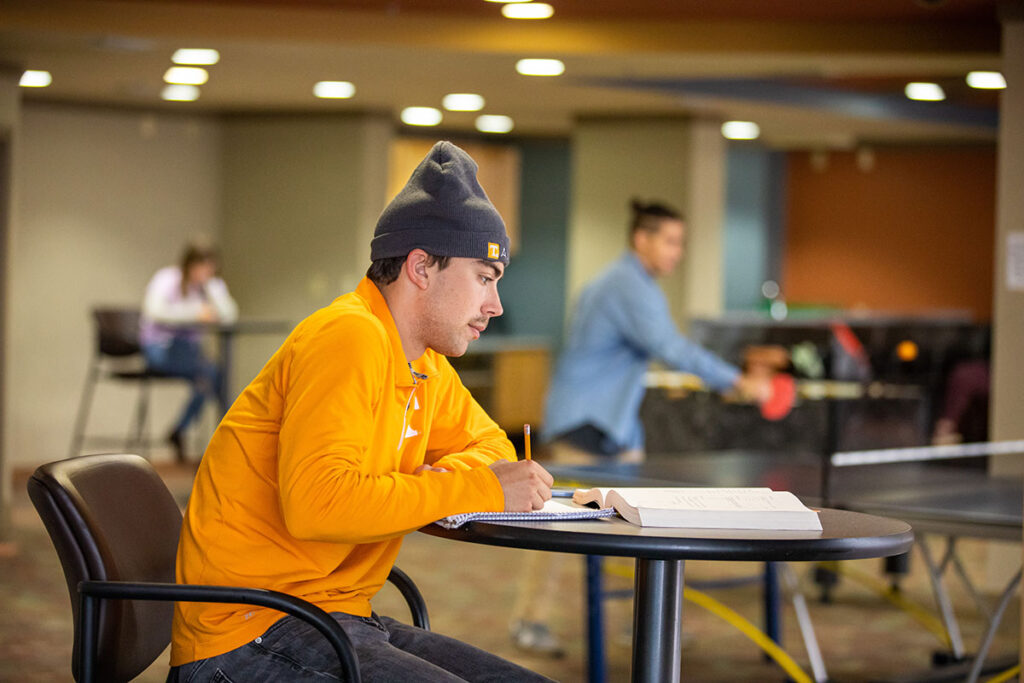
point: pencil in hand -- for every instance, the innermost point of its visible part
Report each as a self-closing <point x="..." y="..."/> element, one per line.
<point x="526" y="439"/>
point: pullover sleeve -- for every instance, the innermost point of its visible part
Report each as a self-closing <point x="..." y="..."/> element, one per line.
<point x="642" y="316"/>
<point x="337" y="481"/>
<point x="463" y="435"/>
<point x="220" y="298"/>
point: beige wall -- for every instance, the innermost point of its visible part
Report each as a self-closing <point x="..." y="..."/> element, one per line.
<point x="678" y="161"/>
<point x="103" y="199"/>
<point x="10" y="105"/>
<point x="301" y="198"/>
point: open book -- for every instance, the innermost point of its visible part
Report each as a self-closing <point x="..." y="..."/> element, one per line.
<point x="554" y="510"/>
<point x="705" y="508"/>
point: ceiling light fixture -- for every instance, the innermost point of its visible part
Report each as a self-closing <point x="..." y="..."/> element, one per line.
<point x="741" y="130"/>
<point x="186" y="75"/>
<point x="494" y="123"/>
<point x="35" y="79"/>
<point x="925" y="92"/>
<point x="334" y="90"/>
<point x="506" y="2"/>
<point x="540" y="67"/>
<point x="463" y="101"/>
<point x="180" y="93"/>
<point x="195" y="56"/>
<point x="528" y="10"/>
<point x="421" y="116"/>
<point x="986" y="80"/>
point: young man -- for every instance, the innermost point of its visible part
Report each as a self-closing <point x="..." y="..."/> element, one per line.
<point x="356" y="432"/>
<point x="592" y="414"/>
<point x="621" y="323"/>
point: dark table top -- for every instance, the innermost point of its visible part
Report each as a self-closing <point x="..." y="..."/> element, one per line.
<point x="932" y="496"/>
<point x="845" y="535"/>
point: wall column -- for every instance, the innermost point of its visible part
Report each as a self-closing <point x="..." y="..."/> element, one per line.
<point x="10" y="107"/>
<point x="680" y="161"/>
<point x="1006" y="419"/>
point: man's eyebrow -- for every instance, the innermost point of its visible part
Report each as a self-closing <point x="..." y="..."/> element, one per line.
<point x="497" y="272"/>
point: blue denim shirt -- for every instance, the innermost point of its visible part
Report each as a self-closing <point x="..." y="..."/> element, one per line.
<point x="620" y="323"/>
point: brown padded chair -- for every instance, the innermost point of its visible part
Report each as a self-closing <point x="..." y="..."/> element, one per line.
<point x="115" y="526"/>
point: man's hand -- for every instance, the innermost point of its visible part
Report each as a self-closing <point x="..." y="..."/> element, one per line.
<point x="525" y="483"/>
<point x="754" y="387"/>
<point x="428" y="468"/>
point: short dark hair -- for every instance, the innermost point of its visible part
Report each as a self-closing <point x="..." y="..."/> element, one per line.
<point x="384" y="271"/>
<point x="648" y="217"/>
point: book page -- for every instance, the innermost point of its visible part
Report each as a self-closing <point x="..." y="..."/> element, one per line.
<point x="711" y="499"/>
<point x="644" y="494"/>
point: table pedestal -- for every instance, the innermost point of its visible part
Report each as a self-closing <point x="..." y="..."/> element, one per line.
<point x="657" y="621"/>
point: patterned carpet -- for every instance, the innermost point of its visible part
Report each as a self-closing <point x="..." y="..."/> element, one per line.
<point x="470" y="591"/>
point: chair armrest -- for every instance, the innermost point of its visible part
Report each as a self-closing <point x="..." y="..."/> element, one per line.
<point x="413" y="597"/>
<point x="296" y="607"/>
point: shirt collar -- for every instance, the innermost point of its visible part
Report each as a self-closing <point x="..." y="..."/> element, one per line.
<point x="424" y="365"/>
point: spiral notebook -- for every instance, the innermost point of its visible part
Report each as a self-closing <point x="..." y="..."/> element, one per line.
<point x="554" y="510"/>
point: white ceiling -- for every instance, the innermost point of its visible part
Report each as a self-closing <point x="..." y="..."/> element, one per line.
<point x="413" y="53"/>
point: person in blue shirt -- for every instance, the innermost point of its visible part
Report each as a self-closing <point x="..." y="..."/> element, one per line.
<point x="621" y="323"/>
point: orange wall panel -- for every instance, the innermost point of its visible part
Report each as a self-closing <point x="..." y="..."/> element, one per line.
<point x="911" y="232"/>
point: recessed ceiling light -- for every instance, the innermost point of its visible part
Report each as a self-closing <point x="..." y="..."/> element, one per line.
<point x="180" y="93"/>
<point x="195" y="56"/>
<point x="925" y="92"/>
<point x="421" y="116"/>
<point x="463" y="101"/>
<point x="35" y="79"/>
<point x="494" y="123"/>
<point x="540" y="67"/>
<point x="186" y="75"/>
<point x="528" y="10"/>
<point x="986" y="80"/>
<point x="741" y="130"/>
<point x="334" y="90"/>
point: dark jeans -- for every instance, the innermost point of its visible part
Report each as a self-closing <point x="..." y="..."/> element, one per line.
<point x="388" y="651"/>
<point x="184" y="358"/>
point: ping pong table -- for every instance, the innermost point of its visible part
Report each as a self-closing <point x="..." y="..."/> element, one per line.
<point x="934" y="498"/>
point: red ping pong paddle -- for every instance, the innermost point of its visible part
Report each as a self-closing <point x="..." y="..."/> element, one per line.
<point x="782" y="398"/>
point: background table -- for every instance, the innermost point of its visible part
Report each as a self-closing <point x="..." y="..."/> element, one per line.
<point x="950" y="498"/>
<point x="660" y="554"/>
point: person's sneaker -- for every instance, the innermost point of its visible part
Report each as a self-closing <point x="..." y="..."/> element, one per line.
<point x="536" y="638"/>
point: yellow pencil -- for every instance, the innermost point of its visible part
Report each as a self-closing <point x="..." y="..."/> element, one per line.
<point x="526" y="437"/>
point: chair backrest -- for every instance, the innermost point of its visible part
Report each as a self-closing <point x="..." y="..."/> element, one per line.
<point x="111" y="518"/>
<point x="117" y="331"/>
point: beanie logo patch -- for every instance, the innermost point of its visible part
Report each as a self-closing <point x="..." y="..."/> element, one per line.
<point x="493" y="250"/>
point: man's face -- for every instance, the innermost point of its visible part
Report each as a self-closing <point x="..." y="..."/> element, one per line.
<point x="661" y="251"/>
<point x="461" y="300"/>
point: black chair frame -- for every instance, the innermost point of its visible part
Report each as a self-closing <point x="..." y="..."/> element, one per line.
<point x="93" y="578"/>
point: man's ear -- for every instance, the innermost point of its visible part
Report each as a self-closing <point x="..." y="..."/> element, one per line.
<point x="416" y="268"/>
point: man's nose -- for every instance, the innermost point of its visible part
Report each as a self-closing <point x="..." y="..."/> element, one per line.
<point x="492" y="306"/>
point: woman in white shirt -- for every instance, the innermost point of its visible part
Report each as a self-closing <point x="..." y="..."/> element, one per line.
<point x="178" y="298"/>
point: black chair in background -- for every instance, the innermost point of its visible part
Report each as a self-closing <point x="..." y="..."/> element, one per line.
<point x="115" y="526"/>
<point x="117" y="357"/>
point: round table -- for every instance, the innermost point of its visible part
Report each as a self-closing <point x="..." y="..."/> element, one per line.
<point x="660" y="554"/>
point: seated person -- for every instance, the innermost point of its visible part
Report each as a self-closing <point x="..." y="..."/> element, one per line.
<point x="177" y="298"/>
<point x="356" y="432"/>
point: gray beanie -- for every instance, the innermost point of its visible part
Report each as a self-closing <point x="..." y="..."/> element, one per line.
<point x="443" y="211"/>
